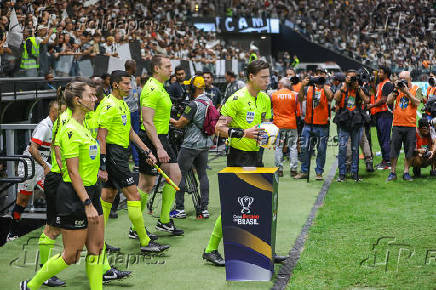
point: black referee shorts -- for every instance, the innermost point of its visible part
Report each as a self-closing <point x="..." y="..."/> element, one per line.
<point x="117" y="165"/>
<point x="70" y="211"/>
<point x="144" y="167"/>
<point x="240" y="158"/>
<point x="51" y="183"/>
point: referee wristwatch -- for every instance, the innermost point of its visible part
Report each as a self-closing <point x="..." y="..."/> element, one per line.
<point x="87" y="202"/>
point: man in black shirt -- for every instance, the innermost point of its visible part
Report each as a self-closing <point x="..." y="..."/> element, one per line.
<point x="212" y="92"/>
<point x="177" y="90"/>
<point x="383" y="115"/>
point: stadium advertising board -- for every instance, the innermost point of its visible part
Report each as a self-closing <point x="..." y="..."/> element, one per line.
<point x="240" y="25"/>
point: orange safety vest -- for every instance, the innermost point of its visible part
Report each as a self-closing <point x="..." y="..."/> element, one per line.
<point x="321" y="107"/>
<point x="431" y="92"/>
<point x="351" y="101"/>
<point x="296" y="88"/>
<point x="384" y="107"/>
<point x="422" y="141"/>
<point x="404" y="110"/>
<point x="284" y="105"/>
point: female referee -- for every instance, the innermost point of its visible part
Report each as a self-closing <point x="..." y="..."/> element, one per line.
<point x="78" y="210"/>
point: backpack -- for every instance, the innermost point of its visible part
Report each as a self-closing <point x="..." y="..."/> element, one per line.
<point x="210" y="119"/>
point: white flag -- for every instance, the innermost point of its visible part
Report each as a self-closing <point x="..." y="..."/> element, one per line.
<point x="15" y="34"/>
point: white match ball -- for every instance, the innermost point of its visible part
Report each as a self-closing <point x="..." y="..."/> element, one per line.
<point x="269" y="136"/>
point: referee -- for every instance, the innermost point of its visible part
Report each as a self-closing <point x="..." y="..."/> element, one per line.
<point x="241" y="115"/>
<point x="155" y="111"/>
<point x="78" y="208"/>
<point x="114" y="134"/>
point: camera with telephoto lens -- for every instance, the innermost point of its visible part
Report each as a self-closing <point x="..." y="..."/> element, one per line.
<point x="316" y="81"/>
<point x="364" y="76"/>
<point x="294" y="80"/>
<point x="401" y="84"/>
<point x="354" y="79"/>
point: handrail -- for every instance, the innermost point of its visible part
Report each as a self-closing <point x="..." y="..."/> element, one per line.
<point x="19" y="158"/>
<point x="33" y="79"/>
<point x="17" y="126"/>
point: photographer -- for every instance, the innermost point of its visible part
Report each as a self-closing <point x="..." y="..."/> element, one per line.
<point x="195" y="147"/>
<point x="383" y="116"/>
<point x="295" y="87"/>
<point x="404" y="123"/>
<point x="430" y="98"/>
<point x="284" y="105"/>
<point x="350" y="121"/>
<point x="424" y="153"/>
<point x="316" y="122"/>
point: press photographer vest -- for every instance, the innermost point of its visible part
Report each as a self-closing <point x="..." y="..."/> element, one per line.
<point x="404" y="110"/>
<point x="384" y="107"/>
<point x="321" y="107"/>
<point x="431" y="92"/>
<point x="351" y="99"/>
<point x="423" y="142"/>
<point x="284" y="104"/>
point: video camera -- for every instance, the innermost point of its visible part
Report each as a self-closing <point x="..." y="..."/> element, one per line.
<point x="178" y="108"/>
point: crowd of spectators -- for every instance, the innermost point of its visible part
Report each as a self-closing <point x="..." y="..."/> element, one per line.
<point x="398" y="33"/>
<point x="89" y="28"/>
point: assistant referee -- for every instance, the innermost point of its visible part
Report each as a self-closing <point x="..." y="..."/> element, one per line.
<point x="114" y="135"/>
<point x="155" y="115"/>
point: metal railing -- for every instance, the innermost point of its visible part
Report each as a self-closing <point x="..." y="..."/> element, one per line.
<point x="9" y="181"/>
<point x="10" y="130"/>
<point x="24" y="88"/>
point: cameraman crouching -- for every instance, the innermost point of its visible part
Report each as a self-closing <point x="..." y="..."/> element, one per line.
<point x="424" y="154"/>
<point x="350" y="121"/>
<point x="195" y="147"/>
<point x="404" y="123"/>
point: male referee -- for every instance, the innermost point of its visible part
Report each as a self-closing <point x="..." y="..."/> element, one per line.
<point x="114" y="134"/>
<point x="155" y="112"/>
<point x="241" y="115"/>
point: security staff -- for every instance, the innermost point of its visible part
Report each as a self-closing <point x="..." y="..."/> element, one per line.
<point x="114" y="134"/>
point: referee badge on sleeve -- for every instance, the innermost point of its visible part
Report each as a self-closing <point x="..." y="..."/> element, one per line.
<point x="124" y="118"/>
<point x="93" y="150"/>
<point x="250" y="117"/>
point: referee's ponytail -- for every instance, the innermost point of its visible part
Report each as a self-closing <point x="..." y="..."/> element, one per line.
<point x="60" y="101"/>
